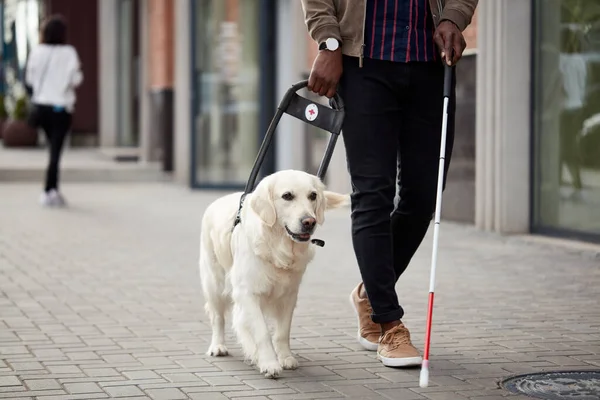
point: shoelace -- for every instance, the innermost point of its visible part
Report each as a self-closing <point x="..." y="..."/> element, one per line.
<point x="396" y="337"/>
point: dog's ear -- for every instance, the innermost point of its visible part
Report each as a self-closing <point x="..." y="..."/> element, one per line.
<point x="336" y="200"/>
<point x="321" y="202"/>
<point x="261" y="202"/>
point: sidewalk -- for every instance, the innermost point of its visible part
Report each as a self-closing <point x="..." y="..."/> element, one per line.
<point x="78" y="165"/>
<point x="103" y="300"/>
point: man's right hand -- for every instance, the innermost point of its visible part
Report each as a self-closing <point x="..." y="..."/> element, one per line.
<point x="326" y="73"/>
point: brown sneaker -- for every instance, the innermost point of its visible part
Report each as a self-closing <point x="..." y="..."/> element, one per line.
<point x="396" y="350"/>
<point x="368" y="331"/>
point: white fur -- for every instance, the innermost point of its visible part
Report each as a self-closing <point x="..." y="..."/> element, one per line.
<point x="258" y="267"/>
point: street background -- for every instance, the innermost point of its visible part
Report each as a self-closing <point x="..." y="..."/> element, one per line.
<point x="102" y="299"/>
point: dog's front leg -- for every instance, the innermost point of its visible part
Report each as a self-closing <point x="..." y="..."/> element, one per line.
<point x="281" y="339"/>
<point x="248" y="320"/>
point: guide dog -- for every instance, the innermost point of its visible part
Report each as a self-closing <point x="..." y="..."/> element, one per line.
<point x="256" y="266"/>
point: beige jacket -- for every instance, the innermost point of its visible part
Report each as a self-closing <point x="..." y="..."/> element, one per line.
<point x="345" y="19"/>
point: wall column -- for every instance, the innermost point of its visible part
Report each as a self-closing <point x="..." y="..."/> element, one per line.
<point x="290" y="142"/>
<point x="183" y="91"/>
<point x="107" y="72"/>
<point x="503" y="116"/>
<point x="161" y="63"/>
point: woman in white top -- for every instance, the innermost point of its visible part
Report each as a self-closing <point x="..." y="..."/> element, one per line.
<point x="53" y="72"/>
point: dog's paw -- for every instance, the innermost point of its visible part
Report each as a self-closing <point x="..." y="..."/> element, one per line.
<point x="271" y="370"/>
<point x="217" y="350"/>
<point x="251" y="360"/>
<point x="288" y="362"/>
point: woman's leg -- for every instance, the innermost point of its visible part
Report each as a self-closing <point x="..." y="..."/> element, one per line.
<point x="60" y="123"/>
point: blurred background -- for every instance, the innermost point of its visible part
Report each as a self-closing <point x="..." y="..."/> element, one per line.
<point x="183" y="91"/>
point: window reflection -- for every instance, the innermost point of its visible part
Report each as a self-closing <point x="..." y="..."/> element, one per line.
<point x="567" y="106"/>
<point x="226" y="75"/>
<point x="20" y="33"/>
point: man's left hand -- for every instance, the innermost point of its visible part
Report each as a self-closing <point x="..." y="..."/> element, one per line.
<point x="450" y="41"/>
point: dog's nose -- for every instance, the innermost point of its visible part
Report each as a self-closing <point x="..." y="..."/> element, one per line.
<point x="308" y="223"/>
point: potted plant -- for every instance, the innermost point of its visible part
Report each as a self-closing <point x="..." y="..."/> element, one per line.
<point x="3" y="114"/>
<point x="17" y="132"/>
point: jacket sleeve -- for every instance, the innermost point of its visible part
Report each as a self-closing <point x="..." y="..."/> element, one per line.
<point x="321" y="20"/>
<point x="460" y="12"/>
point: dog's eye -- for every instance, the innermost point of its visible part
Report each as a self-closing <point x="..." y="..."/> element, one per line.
<point x="287" y="196"/>
<point x="312" y="196"/>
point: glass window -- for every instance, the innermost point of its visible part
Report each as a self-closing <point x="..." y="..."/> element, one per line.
<point x="567" y="116"/>
<point x="226" y="80"/>
<point x="20" y="33"/>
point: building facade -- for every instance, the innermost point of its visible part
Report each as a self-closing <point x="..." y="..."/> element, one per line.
<point x="538" y="121"/>
<point x="193" y="84"/>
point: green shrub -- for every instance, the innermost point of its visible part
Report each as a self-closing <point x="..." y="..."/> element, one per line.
<point x="3" y="113"/>
<point x="20" y="111"/>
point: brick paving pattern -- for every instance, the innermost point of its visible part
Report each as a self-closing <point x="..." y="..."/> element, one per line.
<point x="103" y="301"/>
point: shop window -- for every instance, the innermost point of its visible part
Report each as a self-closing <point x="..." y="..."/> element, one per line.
<point x="20" y="25"/>
<point x="567" y="117"/>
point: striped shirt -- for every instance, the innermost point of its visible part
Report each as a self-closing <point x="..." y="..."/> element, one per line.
<point x="399" y="30"/>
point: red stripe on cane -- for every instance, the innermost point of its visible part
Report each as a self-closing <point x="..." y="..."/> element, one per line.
<point x="428" y="331"/>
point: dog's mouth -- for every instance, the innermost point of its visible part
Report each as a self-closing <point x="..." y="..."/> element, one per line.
<point x="298" y="237"/>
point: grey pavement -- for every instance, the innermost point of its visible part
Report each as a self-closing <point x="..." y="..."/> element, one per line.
<point x="102" y="300"/>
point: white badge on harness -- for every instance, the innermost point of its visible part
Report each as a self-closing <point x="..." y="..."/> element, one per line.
<point x="311" y="112"/>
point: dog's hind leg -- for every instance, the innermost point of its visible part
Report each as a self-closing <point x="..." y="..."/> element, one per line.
<point x="217" y="302"/>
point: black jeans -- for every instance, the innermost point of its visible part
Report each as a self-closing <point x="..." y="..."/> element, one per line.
<point x="56" y="125"/>
<point x="392" y="134"/>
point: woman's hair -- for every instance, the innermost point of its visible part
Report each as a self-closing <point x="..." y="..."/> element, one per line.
<point x="54" y="30"/>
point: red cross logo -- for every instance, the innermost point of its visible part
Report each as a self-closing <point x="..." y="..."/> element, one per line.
<point x="311" y="112"/>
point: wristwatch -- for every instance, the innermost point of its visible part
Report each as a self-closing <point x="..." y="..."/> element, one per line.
<point x="331" y="44"/>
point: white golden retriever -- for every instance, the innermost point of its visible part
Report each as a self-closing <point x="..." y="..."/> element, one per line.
<point x="258" y="265"/>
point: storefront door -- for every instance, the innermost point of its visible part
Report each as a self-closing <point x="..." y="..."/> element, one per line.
<point x="227" y="80"/>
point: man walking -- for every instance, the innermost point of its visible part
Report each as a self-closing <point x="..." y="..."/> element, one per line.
<point x="387" y="58"/>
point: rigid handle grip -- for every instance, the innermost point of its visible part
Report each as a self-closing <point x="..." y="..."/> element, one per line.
<point x="310" y="112"/>
<point x="336" y="101"/>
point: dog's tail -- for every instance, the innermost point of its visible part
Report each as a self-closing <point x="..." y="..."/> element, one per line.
<point x="336" y="200"/>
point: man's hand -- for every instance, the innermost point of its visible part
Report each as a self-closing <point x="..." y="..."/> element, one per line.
<point x="326" y="72"/>
<point x="450" y="41"/>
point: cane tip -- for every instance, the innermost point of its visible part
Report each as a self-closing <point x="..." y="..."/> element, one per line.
<point x="424" y="377"/>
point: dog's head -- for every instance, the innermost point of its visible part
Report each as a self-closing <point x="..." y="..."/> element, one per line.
<point x="296" y="201"/>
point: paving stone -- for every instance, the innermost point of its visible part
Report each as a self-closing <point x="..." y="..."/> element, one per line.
<point x="85" y="387"/>
<point x="42" y="384"/>
<point x="123" y="391"/>
<point x="141" y="375"/>
<point x="9" y="381"/>
<point x="166" y="394"/>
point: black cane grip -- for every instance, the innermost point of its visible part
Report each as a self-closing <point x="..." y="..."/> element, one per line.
<point x="448" y="70"/>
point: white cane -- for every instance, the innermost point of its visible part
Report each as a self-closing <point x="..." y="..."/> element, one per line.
<point x="424" y="378"/>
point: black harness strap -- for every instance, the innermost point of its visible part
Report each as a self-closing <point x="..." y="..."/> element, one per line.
<point x="238" y="216"/>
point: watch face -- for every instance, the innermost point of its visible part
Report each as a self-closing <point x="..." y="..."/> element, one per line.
<point x="332" y="44"/>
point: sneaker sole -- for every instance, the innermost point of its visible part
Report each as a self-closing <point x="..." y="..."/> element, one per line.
<point x="400" y="362"/>
<point x="369" y="346"/>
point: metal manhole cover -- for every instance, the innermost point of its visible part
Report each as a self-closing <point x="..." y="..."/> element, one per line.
<point x="580" y="385"/>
